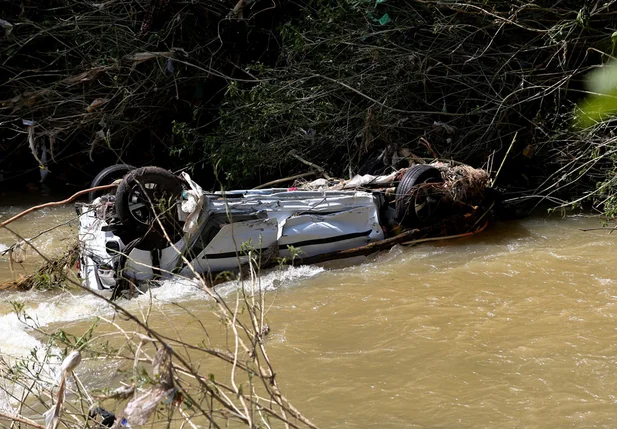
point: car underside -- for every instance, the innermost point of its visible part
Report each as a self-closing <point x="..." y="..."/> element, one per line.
<point x="157" y="225"/>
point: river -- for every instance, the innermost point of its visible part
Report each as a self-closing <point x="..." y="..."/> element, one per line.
<point x="515" y="327"/>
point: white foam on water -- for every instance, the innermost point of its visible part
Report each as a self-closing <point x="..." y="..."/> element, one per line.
<point x="182" y="289"/>
<point x="16" y="338"/>
<point x="286" y="277"/>
<point x="174" y="290"/>
<point x="69" y="307"/>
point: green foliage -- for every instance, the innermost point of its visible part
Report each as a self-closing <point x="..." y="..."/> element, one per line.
<point x="345" y="84"/>
<point x="357" y="80"/>
<point x="601" y="103"/>
<point x="108" y="79"/>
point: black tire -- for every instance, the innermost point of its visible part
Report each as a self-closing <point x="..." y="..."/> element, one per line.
<point x="144" y="194"/>
<point x="107" y="176"/>
<point x="416" y="205"/>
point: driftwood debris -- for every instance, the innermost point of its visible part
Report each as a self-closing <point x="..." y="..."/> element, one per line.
<point x="53" y="272"/>
<point x="21" y="419"/>
<point x="285" y="179"/>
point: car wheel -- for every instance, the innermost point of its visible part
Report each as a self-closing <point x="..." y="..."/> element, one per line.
<point x="145" y="194"/>
<point x="107" y="176"/>
<point x="416" y="198"/>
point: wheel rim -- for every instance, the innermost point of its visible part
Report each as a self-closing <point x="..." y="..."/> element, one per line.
<point x="149" y="199"/>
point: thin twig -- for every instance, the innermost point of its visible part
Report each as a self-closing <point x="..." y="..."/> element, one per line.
<point x="21" y="419"/>
<point x="57" y="203"/>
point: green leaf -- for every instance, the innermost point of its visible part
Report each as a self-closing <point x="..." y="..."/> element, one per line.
<point x="384" y="19"/>
<point x="601" y="103"/>
<point x="580" y="17"/>
<point x="597" y="108"/>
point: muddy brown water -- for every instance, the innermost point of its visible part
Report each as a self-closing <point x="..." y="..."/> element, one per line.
<point x="514" y="328"/>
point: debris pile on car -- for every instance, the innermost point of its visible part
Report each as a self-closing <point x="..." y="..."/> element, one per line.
<point x="450" y="186"/>
<point x="464" y="183"/>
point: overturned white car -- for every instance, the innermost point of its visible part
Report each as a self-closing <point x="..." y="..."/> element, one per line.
<point x="157" y="225"/>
